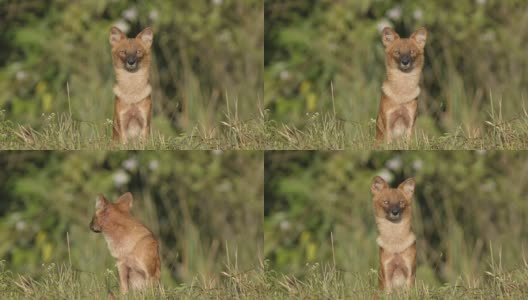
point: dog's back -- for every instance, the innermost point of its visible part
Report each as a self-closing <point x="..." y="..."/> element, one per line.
<point x="144" y="263"/>
<point x="134" y="246"/>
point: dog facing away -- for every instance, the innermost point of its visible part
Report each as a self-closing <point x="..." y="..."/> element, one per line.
<point x="132" y="244"/>
<point x="396" y="241"/>
<point x="133" y="104"/>
<point x="404" y="60"/>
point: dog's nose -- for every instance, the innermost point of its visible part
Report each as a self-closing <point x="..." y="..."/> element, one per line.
<point x="131" y="60"/>
<point x="405" y="60"/>
<point x="395" y="210"/>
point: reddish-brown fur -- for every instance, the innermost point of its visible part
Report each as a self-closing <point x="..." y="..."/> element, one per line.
<point x="398" y="105"/>
<point x="396" y="241"/>
<point x="131" y="243"/>
<point x="133" y="104"/>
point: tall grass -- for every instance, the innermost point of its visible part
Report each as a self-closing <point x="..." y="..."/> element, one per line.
<point x="328" y="131"/>
<point x="61" y="131"/>
<point x="321" y="131"/>
<point x="321" y="282"/>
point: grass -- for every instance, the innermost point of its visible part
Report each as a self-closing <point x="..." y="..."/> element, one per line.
<point x="65" y="282"/>
<point x="62" y="132"/>
<point x="321" y="131"/>
<point x="320" y="282"/>
<point x="329" y="131"/>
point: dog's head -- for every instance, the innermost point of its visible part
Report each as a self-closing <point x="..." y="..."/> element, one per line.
<point x="131" y="54"/>
<point x="392" y="204"/>
<point x="106" y="212"/>
<point x="405" y="55"/>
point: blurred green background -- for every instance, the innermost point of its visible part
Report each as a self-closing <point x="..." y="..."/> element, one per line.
<point x="470" y="210"/>
<point x="203" y="206"/>
<point x="203" y="53"/>
<point x="475" y="56"/>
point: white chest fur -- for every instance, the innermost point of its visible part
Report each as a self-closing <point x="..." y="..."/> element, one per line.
<point x="394" y="237"/>
<point x="402" y="87"/>
<point x="132" y="87"/>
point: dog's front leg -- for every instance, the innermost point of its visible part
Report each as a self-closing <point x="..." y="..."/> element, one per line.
<point x="145" y="131"/>
<point x="408" y="133"/>
<point x="409" y="130"/>
<point x="388" y="134"/>
<point x="409" y="282"/>
<point x="122" y="130"/>
<point x="146" y="113"/>
<point x="116" y="130"/>
<point x="123" y="270"/>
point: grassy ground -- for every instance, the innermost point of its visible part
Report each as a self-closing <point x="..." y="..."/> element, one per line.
<point x="322" y="131"/>
<point x="60" y="131"/>
<point x="329" y="131"/>
<point x="321" y="282"/>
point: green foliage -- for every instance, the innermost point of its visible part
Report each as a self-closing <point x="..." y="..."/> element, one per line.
<point x="191" y="201"/>
<point x="470" y="209"/>
<point x="323" y="56"/>
<point x="56" y="58"/>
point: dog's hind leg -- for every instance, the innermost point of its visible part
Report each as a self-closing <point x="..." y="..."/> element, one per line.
<point x="137" y="279"/>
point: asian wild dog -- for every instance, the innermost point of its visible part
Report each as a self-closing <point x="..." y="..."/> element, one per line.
<point x="404" y="60"/>
<point x="133" y="104"/>
<point x="132" y="244"/>
<point x="396" y="241"/>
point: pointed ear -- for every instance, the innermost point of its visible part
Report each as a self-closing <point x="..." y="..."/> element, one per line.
<point x="116" y="36"/>
<point x="420" y="36"/>
<point x="100" y="202"/>
<point x="124" y="203"/>
<point x="146" y="36"/>
<point x="378" y="185"/>
<point x="388" y="36"/>
<point x="407" y="187"/>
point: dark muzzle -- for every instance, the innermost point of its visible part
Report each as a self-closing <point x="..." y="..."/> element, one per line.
<point x="405" y="60"/>
<point x="93" y="227"/>
<point x="131" y="62"/>
<point x="394" y="212"/>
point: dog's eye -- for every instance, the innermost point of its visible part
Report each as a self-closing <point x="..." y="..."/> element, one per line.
<point x="122" y="53"/>
<point x="402" y="203"/>
<point x="138" y="53"/>
<point x="413" y="52"/>
<point x="397" y="52"/>
<point x="386" y="202"/>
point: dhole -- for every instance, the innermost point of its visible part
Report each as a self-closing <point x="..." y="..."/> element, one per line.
<point x="396" y="241"/>
<point x="404" y="60"/>
<point x="131" y="243"/>
<point x="133" y="105"/>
